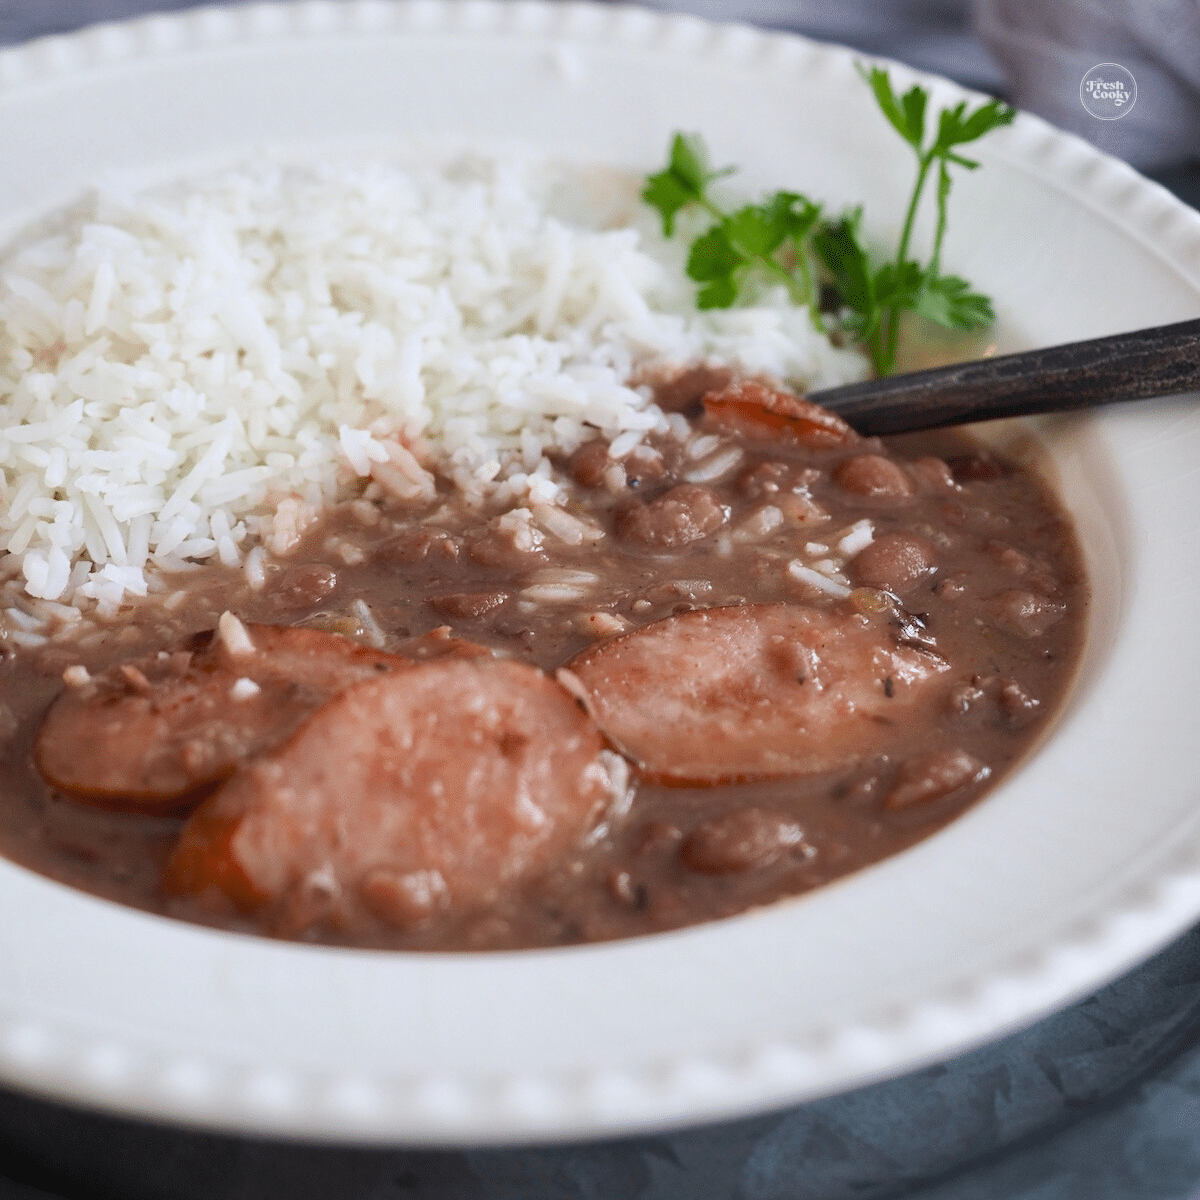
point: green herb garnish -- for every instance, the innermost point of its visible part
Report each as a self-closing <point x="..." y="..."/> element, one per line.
<point x="786" y="240"/>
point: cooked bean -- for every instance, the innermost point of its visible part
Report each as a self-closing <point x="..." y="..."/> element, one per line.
<point x="684" y="514"/>
<point x="302" y="587"/>
<point x="148" y="737"/>
<point x="972" y="468"/>
<point x="643" y="467"/>
<point x="932" y="474"/>
<point x="519" y="550"/>
<point x="467" y="605"/>
<point x="929" y="777"/>
<point x="876" y="479"/>
<point x="1026" y="614"/>
<point x="683" y="392"/>
<point x="765" y="480"/>
<point x="403" y="899"/>
<point x="757" y="691"/>
<point x="756" y="410"/>
<point x="739" y="841"/>
<point x="895" y="562"/>
<point x="418" y="794"/>
<point x="588" y="464"/>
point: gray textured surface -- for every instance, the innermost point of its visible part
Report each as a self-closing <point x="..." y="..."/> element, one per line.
<point x="1100" y="1102"/>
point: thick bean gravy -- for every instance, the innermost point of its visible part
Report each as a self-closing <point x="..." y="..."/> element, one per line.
<point x="812" y="650"/>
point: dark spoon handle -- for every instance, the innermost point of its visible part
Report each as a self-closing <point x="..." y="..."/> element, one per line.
<point x="1128" y="366"/>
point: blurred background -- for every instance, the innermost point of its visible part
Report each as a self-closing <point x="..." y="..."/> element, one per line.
<point x="1034" y="53"/>
<point x="1099" y="1102"/>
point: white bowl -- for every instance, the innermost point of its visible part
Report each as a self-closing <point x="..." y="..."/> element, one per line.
<point x="1081" y="864"/>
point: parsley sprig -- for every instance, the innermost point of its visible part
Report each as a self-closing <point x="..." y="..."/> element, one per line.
<point x="787" y="240"/>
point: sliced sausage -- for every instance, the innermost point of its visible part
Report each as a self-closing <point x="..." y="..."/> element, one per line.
<point x="755" y="691"/>
<point x="155" y="735"/>
<point x="758" y="411"/>
<point x="414" y="793"/>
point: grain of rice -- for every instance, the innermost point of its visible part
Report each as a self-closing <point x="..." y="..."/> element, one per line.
<point x="234" y="634"/>
<point x="716" y="466"/>
<point x="822" y="583"/>
<point x="759" y="524"/>
<point x="20" y="637"/>
<point x="859" y="536"/>
<point x="565" y="526"/>
<point x="615" y="478"/>
<point x="554" y="593"/>
<point x="601" y="624"/>
<point x="703" y="446"/>
<point x="255" y="568"/>
<point x="565" y="575"/>
<point x="244" y="688"/>
<point x="375" y="636"/>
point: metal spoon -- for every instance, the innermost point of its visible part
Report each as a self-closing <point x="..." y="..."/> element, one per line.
<point x="1147" y="363"/>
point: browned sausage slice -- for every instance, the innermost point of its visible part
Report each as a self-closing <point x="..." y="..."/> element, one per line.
<point x="758" y="411"/>
<point x="155" y="735"/>
<point x="410" y="794"/>
<point x="757" y="691"/>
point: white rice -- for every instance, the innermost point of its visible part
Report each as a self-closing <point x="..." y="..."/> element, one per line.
<point x="192" y="373"/>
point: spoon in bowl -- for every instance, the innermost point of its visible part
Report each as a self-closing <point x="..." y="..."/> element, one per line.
<point x="1141" y="365"/>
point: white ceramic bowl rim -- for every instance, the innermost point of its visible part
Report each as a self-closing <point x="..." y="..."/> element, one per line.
<point x="1087" y="861"/>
